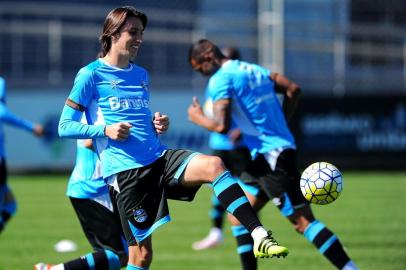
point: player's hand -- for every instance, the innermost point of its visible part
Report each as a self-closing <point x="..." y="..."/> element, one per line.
<point x="119" y="131"/>
<point x="195" y="110"/>
<point x="38" y="130"/>
<point x="161" y="122"/>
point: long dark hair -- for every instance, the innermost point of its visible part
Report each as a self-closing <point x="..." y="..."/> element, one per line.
<point x="113" y="24"/>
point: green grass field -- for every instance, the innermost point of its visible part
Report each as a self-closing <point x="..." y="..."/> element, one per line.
<point x="369" y="219"/>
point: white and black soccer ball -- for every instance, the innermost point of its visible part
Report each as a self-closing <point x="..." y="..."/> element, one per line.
<point x="321" y="183"/>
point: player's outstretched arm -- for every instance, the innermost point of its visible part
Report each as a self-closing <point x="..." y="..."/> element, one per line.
<point x="71" y="127"/>
<point x="8" y="117"/>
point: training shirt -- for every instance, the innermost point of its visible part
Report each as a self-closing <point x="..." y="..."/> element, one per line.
<point x="7" y="117"/>
<point x="255" y="106"/>
<point x="110" y="95"/>
<point x="86" y="180"/>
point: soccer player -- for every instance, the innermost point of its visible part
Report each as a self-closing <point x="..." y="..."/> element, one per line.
<point x="91" y="200"/>
<point x="235" y="156"/>
<point x="8" y="204"/>
<point x="113" y="93"/>
<point x="245" y="93"/>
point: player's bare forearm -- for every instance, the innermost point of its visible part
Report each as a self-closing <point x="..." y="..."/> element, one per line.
<point x="197" y="116"/>
<point x="290" y="90"/>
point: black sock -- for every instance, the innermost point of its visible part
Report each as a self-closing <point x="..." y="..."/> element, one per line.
<point x="233" y="199"/>
<point x="327" y="243"/>
<point x="245" y="245"/>
<point x="96" y="260"/>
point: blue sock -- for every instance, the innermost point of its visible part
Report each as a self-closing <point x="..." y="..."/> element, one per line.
<point x="133" y="267"/>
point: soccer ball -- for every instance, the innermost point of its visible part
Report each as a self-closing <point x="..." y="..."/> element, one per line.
<point x="321" y="183"/>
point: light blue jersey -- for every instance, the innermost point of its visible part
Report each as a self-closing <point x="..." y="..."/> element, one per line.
<point x="110" y="95"/>
<point x="86" y="180"/>
<point x="7" y="117"/>
<point x="255" y="106"/>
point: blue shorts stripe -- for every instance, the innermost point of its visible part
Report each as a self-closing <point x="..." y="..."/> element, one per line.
<point x="238" y="230"/>
<point x="313" y="230"/>
<point x="182" y="167"/>
<point x="245" y="248"/>
<point x="90" y="261"/>
<point x="222" y="182"/>
<point x="142" y="234"/>
<point x="114" y="260"/>
<point x="237" y="203"/>
<point x="328" y="244"/>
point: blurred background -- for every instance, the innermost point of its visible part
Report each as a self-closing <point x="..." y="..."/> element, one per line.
<point x="348" y="56"/>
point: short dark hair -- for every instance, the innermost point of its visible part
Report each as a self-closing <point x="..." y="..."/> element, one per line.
<point x="197" y="50"/>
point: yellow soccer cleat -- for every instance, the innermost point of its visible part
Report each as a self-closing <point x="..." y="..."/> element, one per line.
<point x="267" y="247"/>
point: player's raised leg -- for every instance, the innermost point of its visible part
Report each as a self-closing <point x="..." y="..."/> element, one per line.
<point x="210" y="169"/>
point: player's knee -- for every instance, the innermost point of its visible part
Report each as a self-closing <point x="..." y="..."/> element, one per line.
<point x="214" y="167"/>
<point x="145" y="257"/>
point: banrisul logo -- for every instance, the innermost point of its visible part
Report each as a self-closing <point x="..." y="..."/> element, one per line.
<point x="117" y="103"/>
<point x="140" y="215"/>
